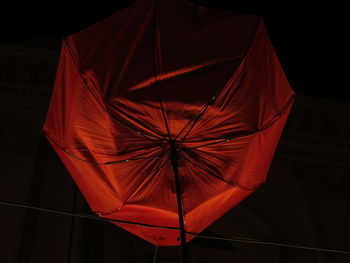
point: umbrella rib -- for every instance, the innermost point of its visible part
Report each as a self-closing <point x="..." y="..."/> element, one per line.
<point x="135" y="159"/>
<point x="198" y="115"/>
<point x="195" y="119"/>
<point x="81" y="74"/>
<point x="104" y="163"/>
<point x="208" y="171"/>
<point x="220" y="177"/>
<point x="222" y="139"/>
<point x="133" y="129"/>
<point x="75" y="62"/>
<point x="107" y="154"/>
<point x="285" y="107"/>
<point x="144" y="183"/>
<point x="157" y="64"/>
<point x="207" y="144"/>
<point x="164" y="118"/>
<point x="204" y="108"/>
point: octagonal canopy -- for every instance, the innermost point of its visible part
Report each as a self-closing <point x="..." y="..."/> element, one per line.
<point x="161" y="76"/>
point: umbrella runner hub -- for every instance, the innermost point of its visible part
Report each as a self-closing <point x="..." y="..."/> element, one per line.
<point x="171" y="145"/>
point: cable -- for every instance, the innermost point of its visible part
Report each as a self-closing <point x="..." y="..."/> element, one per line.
<point x="231" y="239"/>
<point x="86" y="216"/>
<point x="72" y="224"/>
<point x="155" y="255"/>
<point x="253" y="241"/>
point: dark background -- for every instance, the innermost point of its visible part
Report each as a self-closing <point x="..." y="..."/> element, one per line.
<point x="306" y="34"/>
<point x="304" y="202"/>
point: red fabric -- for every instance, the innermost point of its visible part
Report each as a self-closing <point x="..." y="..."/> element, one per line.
<point x="161" y="70"/>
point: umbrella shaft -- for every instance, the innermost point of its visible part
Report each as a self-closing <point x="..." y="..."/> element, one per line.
<point x="174" y="162"/>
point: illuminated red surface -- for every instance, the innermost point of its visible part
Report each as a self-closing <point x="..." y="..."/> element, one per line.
<point x="161" y="70"/>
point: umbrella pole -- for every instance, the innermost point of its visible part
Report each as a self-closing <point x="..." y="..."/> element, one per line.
<point x="174" y="162"/>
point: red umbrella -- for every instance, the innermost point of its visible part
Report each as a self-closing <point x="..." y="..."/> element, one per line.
<point x="167" y="114"/>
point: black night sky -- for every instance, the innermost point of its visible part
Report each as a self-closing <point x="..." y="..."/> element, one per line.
<point x="305" y="35"/>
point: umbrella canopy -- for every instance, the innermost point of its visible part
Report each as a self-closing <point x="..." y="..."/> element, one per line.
<point x="166" y="88"/>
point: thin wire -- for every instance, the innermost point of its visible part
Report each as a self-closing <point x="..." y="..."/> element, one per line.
<point x="253" y="241"/>
<point x="155" y="255"/>
<point x="72" y="224"/>
<point x="232" y="239"/>
<point x="93" y="217"/>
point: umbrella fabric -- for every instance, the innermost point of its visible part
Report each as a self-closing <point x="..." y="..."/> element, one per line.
<point x="159" y="71"/>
